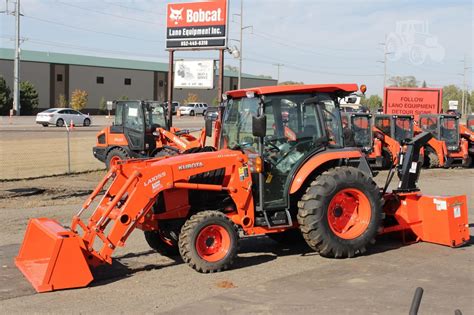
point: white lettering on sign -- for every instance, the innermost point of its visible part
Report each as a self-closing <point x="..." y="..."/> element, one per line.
<point x="203" y="16"/>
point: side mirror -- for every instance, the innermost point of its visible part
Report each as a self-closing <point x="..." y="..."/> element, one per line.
<point x="259" y="126"/>
<point x="208" y="128"/>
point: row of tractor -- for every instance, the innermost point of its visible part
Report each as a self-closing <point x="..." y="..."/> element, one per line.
<point x="278" y="165"/>
<point x="381" y="136"/>
<point x="141" y="130"/>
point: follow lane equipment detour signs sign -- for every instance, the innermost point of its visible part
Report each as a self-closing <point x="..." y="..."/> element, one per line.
<point x="412" y="101"/>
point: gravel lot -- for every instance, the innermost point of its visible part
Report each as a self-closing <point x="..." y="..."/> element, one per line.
<point x="268" y="278"/>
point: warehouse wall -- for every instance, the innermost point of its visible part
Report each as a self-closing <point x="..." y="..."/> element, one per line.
<point x="113" y="86"/>
<point x="144" y="84"/>
<point x="35" y="72"/>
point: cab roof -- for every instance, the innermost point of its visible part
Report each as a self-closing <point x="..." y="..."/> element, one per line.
<point x="300" y="88"/>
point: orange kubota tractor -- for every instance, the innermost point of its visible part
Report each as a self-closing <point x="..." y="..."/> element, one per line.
<point x="141" y="130"/>
<point x="259" y="181"/>
<point x="360" y="127"/>
<point x="392" y="130"/>
<point x="447" y="148"/>
<point x="467" y="132"/>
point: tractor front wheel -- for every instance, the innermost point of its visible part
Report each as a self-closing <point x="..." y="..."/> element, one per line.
<point x="208" y="242"/>
<point x="115" y="155"/>
<point x="431" y="159"/>
<point x="340" y="213"/>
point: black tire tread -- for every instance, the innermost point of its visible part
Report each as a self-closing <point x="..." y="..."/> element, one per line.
<point x="116" y="151"/>
<point x="154" y="241"/>
<point x="185" y="243"/>
<point x="311" y="222"/>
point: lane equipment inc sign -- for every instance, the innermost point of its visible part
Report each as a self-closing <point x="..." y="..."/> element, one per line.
<point x="196" y="25"/>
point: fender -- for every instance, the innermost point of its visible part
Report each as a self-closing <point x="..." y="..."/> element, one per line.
<point x="316" y="161"/>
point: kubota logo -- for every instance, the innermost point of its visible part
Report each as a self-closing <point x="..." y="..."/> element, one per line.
<point x="196" y="16"/>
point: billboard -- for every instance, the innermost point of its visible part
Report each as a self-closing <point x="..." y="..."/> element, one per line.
<point x="194" y="74"/>
<point x="412" y="101"/>
<point x="194" y="25"/>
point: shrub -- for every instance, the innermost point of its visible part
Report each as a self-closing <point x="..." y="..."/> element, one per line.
<point x="62" y="101"/>
<point x="29" y="99"/>
<point x="79" y="99"/>
<point x="5" y="97"/>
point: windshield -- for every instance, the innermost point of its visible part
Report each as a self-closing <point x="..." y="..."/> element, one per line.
<point x="156" y="116"/>
<point x="403" y="128"/>
<point x="470" y="123"/>
<point x="449" y="131"/>
<point x="288" y="120"/>
<point x="362" y="131"/>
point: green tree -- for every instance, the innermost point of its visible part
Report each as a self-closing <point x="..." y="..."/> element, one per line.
<point x="79" y="99"/>
<point x="29" y="99"/>
<point x="123" y="98"/>
<point x="102" y="106"/>
<point x="403" y="81"/>
<point x="424" y="84"/>
<point x="62" y="101"/>
<point x="451" y="93"/>
<point x="5" y="97"/>
<point x="373" y="102"/>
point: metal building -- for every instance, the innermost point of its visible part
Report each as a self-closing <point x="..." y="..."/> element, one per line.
<point x="54" y="74"/>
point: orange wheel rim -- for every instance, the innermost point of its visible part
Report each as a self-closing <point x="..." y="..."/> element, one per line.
<point x="213" y="243"/>
<point x="114" y="160"/>
<point x="349" y="213"/>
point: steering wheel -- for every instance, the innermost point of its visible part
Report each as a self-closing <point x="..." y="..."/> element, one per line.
<point x="291" y="150"/>
<point x="268" y="141"/>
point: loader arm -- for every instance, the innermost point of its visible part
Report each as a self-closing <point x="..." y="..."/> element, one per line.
<point x="131" y="189"/>
<point x="183" y="143"/>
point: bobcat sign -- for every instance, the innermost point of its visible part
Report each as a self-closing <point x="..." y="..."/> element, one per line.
<point x="196" y="25"/>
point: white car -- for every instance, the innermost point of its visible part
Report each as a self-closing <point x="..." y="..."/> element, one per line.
<point x="193" y="109"/>
<point x="62" y="116"/>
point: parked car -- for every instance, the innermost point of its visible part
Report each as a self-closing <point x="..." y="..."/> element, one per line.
<point x="193" y="109"/>
<point x="61" y="116"/>
<point x="211" y="114"/>
<point x="174" y="107"/>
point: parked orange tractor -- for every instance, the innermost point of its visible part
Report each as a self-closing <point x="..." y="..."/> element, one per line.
<point x="141" y="130"/>
<point x="358" y="131"/>
<point x="447" y="148"/>
<point x="259" y="181"/>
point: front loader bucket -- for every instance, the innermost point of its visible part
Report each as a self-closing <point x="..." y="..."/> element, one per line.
<point x="52" y="257"/>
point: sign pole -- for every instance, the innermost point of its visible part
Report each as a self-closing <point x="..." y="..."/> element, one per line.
<point x="170" y="88"/>
<point x="220" y="87"/>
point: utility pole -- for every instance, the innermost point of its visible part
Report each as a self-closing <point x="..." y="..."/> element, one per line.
<point x="385" y="53"/>
<point x="16" y="70"/>
<point x="242" y="28"/>
<point x="464" y="109"/>
<point x="278" y="65"/>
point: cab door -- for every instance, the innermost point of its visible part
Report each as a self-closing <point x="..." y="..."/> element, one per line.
<point x="134" y="125"/>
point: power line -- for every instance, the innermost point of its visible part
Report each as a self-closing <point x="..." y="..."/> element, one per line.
<point x="109" y="14"/>
<point x="92" y="31"/>
<point x="136" y="9"/>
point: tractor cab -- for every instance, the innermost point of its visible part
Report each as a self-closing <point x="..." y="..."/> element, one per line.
<point x="283" y="130"/>
<point x="470" y="122"/>
<point x="444" y="128"/>
<point x="398" y="127"/>
<point x="357" y="130"/>
<point x="137" y="121"/>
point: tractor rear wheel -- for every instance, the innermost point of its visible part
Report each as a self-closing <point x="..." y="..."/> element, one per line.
<point x="165" y="152"/>
<point x="431" y="159"/>
<point x="114" y="155"/>
<point x="208" y="242"/>
<point x="163" y="244"/>
<point x="340" y="213"/>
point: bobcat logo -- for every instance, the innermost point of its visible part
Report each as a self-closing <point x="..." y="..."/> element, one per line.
<point x="176" y="15"/>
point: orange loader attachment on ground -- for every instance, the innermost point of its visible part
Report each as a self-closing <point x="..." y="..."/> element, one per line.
<point x="52" y="257"/>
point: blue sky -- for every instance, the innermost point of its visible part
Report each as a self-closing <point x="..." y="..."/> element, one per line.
<point x="316" y="41"/>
